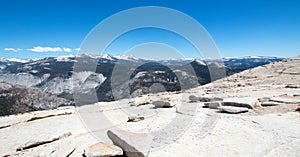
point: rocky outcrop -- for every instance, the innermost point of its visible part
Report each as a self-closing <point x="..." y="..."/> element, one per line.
<point x="19" y="99"/>
<point x="23" y="79"/>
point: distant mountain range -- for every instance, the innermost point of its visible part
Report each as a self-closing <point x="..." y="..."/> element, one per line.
<point x="55" y="75"/>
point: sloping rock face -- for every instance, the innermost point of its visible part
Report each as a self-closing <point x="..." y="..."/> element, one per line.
<point x="19" y="99"/>
<point x="254" y="107"/>
<point x="23" y="79"/>
<point x="58" y="132"/>
<point x="189" y="127"/>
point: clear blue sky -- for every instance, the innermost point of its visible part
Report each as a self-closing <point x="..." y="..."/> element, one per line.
<point x="239" y="27"/>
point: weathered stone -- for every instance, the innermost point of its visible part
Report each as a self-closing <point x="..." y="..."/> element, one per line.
<point x="132" y="144"/>
<point x="102" y="149"/>
<point x="213" y="105"/>
<point x="270" y="103"/>
<point x="247" y="102"/>
<point x="292" y="86"/>
<point x="263" y="99"/>
<point x="162" y="104"/>
<point x="135" y="119"/>
<point x="285" y="100"/>
<point x="233" y="110"/>
<point x="42" y="140"/>
<point x="296" y="94"/>
<point x="193" y="98"/>
<point x="210" y="99"/>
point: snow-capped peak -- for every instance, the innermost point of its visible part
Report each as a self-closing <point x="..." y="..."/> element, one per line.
<point x="64" y="58"/>
<point x="199" y="61"/>
<point x="251" y="57"/>
<point x="127" y="57"/>
<point x="108" y="57"/>
<point x="14" y="60"/>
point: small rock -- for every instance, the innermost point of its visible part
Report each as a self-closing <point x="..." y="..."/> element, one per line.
<point x="162" y="104"/>
<point x="233" y="110"/>
<point x="193" y="98"/>
<point x="270" y="103"/>
<point x="209" y="99"/>
<point x="292" y="86"/>
<point x="285" y="100"/>
<point x="135" y="119"/>
<point x="132" y="104"/>
<point x="296" y="94"/>
<point x="240" y="85"/>
<point x="178" y="92"/>
<point x="213" y="105"/>
<point x="263" y="99"/>
<point x="101" y="149"/>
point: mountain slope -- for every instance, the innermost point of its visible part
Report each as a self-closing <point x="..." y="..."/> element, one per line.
<point x="55" y="75"/>
<point x="19" y="99"/>
<point x="184" y="127"/>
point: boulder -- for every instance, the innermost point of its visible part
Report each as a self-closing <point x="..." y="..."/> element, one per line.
<point x="102" y="149"/>
<point x="213" y="105"/>
<point x="233" y="110"/>
<point x="162" y="104"/>
<point x="246" y="102"/>
<point x="135" y="119"/>
<point x="210" y="99"/>
<point x="132" y="144"/>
